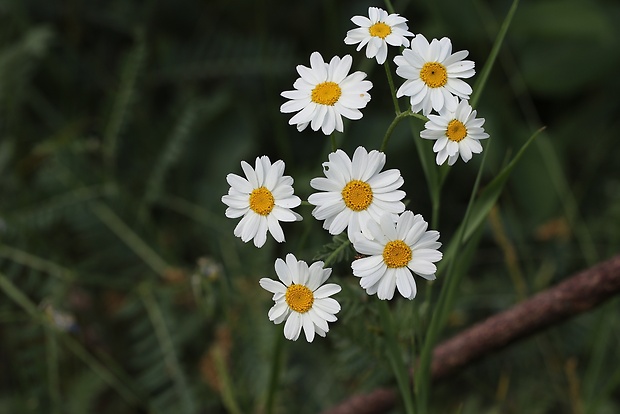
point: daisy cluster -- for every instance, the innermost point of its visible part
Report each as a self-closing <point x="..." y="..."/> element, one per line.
<point x="356" y="194"/>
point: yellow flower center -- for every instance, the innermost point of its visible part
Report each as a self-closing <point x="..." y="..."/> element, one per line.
<point x="299" y="298"/>
<point x="396" y="254"/>
<point x="456" y="130"/>
<point x="381" y="30"/>
<point x="326" y="93"/>
<point x="434" y="74"/>
<point x="357" y="195"/>
<point x="262" y="201"/>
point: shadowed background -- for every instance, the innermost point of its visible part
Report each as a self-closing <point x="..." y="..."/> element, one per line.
<point x="124" y="289"/>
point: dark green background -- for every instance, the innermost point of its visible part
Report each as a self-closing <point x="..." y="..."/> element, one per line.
<point x="119" y="121"/>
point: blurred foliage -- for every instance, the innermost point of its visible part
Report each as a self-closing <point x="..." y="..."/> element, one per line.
<point x="124" y="289"/>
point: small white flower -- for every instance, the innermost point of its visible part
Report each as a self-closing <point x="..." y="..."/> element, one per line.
<point x="301" y="298"/>
<point x="377" y="31"/>
<point x="325" y="93"/>
<point x="355" y="192"/>
<point x="395" y="251"/>
<point x="457" y="132"/>
<point x="264" y="198"/>
<point x="432" y="72"/>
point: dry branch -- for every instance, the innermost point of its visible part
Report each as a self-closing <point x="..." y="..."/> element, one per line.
<point x="573" y="296"/>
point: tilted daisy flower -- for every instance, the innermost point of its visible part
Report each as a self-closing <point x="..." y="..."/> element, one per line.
<point x="432" y="72"/>
<point x="325" y="93"/>
<point x="457" y="132"/>
<point x="355" y="191"/>
<point x="301" y="298"/>
<point x="264" y="198"/>
<point x="394" y="251"/>
<point x="377" y="31"/>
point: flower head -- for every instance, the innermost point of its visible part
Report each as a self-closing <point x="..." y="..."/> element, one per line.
<point x="355" y="191"/>
<point x="457" y="132"/>
<point x="301" y="298"/>
<point x="377" y="31"/>
<point x="264" y="198"/>
<point x="394" y="251"/>
<point x="432" y="74"/>
<point x="325" y="93"/>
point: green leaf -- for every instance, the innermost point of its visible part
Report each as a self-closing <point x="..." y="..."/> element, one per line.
<point x="338" y="250"/>
<point x="488" y="65"/>
<point x="484" y="203"/>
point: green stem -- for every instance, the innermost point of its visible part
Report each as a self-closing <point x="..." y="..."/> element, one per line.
<point x="274" y="378"/>
<point x="399" y="366"/>
<point x="332" y="257"/>
<point x="37" y="263"/>
<point x="131" y="239"/>
<point x="388" y="73"/>
<point x="488" y="65"/>
<point x="228" y="396"/>
<point x="333" y="139"/>
<point x="397" y="119"/>
<point x="167" y="347"/>
<point x="444" y="304"/>
<point x="53" y="377"/>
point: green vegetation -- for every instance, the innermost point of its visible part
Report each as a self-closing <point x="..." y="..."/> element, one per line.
<point x="123" y="289"/>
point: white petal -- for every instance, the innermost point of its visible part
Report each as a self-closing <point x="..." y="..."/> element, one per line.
<point x="422" y="266"/>
<point x="327" y="290"/>
<point x="328" y="305"/>
<point x="283" y="272"/>
<point x="275" y="229"/>
<point x="261" y="234"/>
<point x="292" y="327"/>
<point x="278" y="310"/>
<point x="308" y="326"/>
<point x="387" y="286"/>
<point x="272" y="285"/>
<point x="403" y="284"/>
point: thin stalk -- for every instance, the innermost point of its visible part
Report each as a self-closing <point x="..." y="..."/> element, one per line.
<point x="131" y="239"/>
<point x="488" y="65"/>
<point x="193" y="211"/>
<point x="395" y="357"/>
<point x="167" y="347"/>
<point x="444" y="304"/>
<point x="446" y="297"/>
<point x="228" y="395"/>
<point x="388" y="73"/>
<point x="444" y="170"/>
<point x="53" y="377"/>
<point x="276" y="369"/>
<point x="37" y="263"/>
<point x="389" y="7"/>
<point x="333" y="140"/>
<point x="397" y="119"/>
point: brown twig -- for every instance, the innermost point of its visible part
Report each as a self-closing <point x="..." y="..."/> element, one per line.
<point x="573" y="296"/>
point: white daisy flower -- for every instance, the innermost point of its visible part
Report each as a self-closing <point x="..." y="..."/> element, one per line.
<point x="325" y="93"/>
<point x="457" y="132"/>
<point x="432" y="72"/>
<point x="264" y="198"/>
<point x="396" y="250"/>
<point x="355" y="192"/>
<point x="301" y="298"/>
<point x="377" y="31"/>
